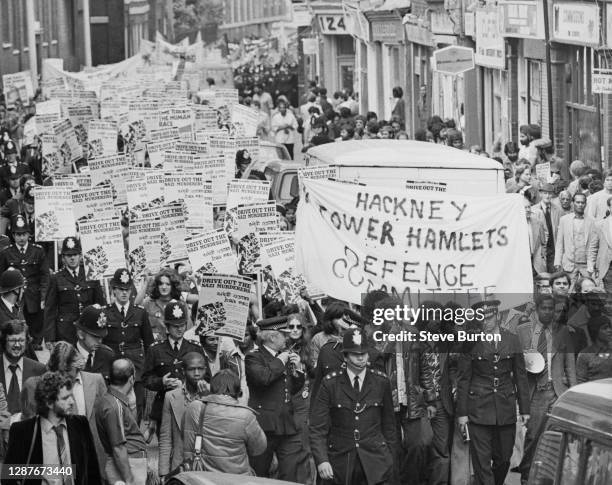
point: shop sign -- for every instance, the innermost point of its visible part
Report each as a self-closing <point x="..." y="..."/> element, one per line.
<point x="576" y="23"/>
<point x="490" y="45"/>
<point x="602" y="81"/>
<point x="524" y="19"/>
<point x="332" y="24"/>
<point x="356" y="23"/>
<point x="389" y="31"/>
<point x="441" y="22"/>
<point x="310" y="46"/>
<point x="418" y="34"/>
<point x="453" y="60"/>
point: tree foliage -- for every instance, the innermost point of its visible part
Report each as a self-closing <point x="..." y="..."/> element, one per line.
<point x="190" y="15"/>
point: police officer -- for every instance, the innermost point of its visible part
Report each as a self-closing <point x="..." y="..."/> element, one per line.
<point x="129" y="331"/>
<point x="91" y="328"/>
<point x="12" y="285"/>
<point x="273" y="376"/>
<point x="69" y="293"/>
<point x="490" y="378"/>
<point x="164" y="360"/>
<point x="31" y="260"/>
<point x="352" y="424"/>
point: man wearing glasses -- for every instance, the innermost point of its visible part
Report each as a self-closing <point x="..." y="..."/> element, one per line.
<point x="16" y="368"/>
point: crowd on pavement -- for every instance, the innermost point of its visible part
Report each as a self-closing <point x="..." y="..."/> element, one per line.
<point x="306" y="395"/>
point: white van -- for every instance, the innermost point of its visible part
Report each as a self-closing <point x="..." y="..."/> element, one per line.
<point x="412" y="165"/>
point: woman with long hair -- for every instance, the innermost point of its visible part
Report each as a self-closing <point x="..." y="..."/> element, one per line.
<point x="154" y="294"/>
<point x="333" y="327"/>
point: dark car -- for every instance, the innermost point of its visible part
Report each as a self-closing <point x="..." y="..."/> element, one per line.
<point x="214" y="478"/>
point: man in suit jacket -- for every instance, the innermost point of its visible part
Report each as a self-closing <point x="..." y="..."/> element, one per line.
<point x="272" y="383"/>
<point x="16" y="369"/>
<point x="573" y="239"/>
<point x="54" y="437"/>
<point x="540" y="214"/>
<point x="175" y="402"/>
<point x="87" y="389"/>
<point x="599" y="255"/>
<point x="558" y="374"/>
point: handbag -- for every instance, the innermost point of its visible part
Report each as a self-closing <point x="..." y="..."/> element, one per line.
<point x="196" y="463"/>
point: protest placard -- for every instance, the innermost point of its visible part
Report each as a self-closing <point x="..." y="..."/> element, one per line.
<point x="211" y="252"/>
<point x="102" y="138"/>
<point x="112" y="170"/>
<point x="157" y="150"/>
<point x="251" y="144"/>
<point x="543" y="172"/>
<point x="223" y="305"/>
<point x="102" y="244"/>
<point x="281" y="255"/>
<point x="319" y="172"/>
<point x="145" y="246"/>
<point x="53" y="217"/>
<point x="80" y="116"/>
<point x="374" y="237"/>
<point x="74" y="181"/>
<point x="246" y="120"/>
<point x="196" y="192"/>
<point x="17" y="87"/>
<point x="250" y="219"/>
<point x="51" y="164"/>
<point x="68" y="145"/>
<point x="93" y="202"/>
<point x="204" y="117"/>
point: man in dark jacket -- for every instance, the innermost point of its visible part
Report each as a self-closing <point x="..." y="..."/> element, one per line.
<point x="164" y="369"/>
<point x="352" y="426"/>
<point x="69" y="293"/>
<point x="273" y="376"/>
<point x="53" y="437"/>
<point x="31" y="260"/>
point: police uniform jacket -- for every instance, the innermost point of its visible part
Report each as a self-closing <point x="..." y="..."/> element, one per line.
<point x="5" y="314"/>
<point x="271" y="387"/>
<point x="160" y="360"/>
<point x="490" y="381"/>
<point x="129" y="336"/>
<point x="346" y="425"/>
<point x="102" y="360"/>
<point x="331" y="359"/>
<point x="66" y="298"/>
<point x="35" y="269"/>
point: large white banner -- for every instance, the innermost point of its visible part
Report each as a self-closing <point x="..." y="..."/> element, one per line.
<point x="352" y="239"/>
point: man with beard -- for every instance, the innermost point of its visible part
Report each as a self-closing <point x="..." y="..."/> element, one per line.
<point x="529" y="133"/>
<point x="69" y="293"/>
<point x="55" y="436"/>
<point x="195" y="368"/>
<point x="352" y="436"/>
<point x="31" y="260"/>
<point x="164" y="369"/>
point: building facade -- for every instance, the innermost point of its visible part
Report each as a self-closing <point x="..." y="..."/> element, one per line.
<point x="242" y="18"/>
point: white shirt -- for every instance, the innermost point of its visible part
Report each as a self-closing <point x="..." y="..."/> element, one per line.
<point x="8" y="375"/>
<point x="84" y="352"/>
<point x="172" y="342"/>
<point x="49" y="446"/>
<point x="126" y="307"/>
<point x="8" y="304"/>
<point x="279" y="120"/>
<point x="79" y="395"/>
<point x="25" y="248"/>
<point x="361" y="377"/>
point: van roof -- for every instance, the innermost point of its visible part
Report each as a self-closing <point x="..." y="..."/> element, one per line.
<point x="397" y="153"/>
<point x="588" y="405"/>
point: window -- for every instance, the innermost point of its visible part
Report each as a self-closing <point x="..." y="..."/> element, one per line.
<point x="5" y="18"/>
<point x="286" y="186"/>
<point x="598" y="466"/>
<point x="534" y="91"/>
<point x="571" y="460"/>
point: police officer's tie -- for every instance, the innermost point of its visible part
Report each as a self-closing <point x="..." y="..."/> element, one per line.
<point x="13" y="399"/>
<point x="62" y="452"/>
<point x="123" y="311"/>
<point x="356" y="384"/>
<point x="176" y="347"/>
<point x="89" y="362"/>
